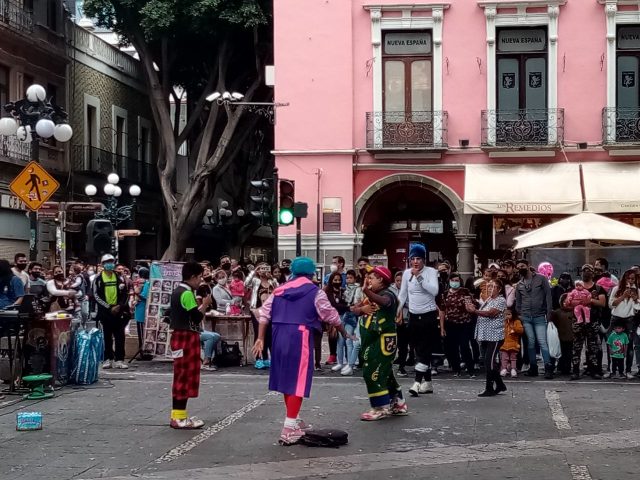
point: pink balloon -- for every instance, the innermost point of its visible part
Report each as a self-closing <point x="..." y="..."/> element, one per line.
<point x="546" y="269"/>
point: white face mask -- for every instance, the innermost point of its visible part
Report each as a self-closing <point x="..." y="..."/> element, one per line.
<point x="222" y="281"/>
<point x="333" y="268"/>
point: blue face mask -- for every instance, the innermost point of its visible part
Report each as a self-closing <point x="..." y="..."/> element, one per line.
<point x="109" y="266"/>
<point x="454" y="284"/>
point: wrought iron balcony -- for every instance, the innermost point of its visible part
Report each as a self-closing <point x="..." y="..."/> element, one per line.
<point x="518" y="129"/>
<point x="88" y="159"/>
<point x="15" y="16"/>
<point x="12" y="148"/>
<point x="407" y="130"/>
<point x="620" y="127"/>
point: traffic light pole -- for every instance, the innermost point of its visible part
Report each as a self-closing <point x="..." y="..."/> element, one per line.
<point x="298" y="237"/>
<point x="275" y="219"/>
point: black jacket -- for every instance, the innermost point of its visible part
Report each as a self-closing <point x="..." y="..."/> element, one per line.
<point x="100" y="297"/>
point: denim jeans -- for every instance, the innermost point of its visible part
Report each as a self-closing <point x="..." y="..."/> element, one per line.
<point x="345" y="347"/>
<point x="209" y="339"/>
<point x="536" y="330"/>
<point x="355" y="351"/>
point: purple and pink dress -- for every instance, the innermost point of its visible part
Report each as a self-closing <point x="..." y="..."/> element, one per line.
<point x="296" y="311"/>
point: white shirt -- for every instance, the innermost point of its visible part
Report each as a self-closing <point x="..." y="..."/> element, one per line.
<point x="419" y="292"/>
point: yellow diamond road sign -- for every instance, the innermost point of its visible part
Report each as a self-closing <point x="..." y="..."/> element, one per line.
<point x="34" y="185"/>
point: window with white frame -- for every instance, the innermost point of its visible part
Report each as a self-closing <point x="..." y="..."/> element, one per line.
<point x="407" y="76"/>
<point x="522" y="80"/>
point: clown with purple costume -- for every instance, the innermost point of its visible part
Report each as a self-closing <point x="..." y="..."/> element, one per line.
<point x="296" y="311"/>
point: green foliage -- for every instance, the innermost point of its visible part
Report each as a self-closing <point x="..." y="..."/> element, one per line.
<point x="192" y="18"/>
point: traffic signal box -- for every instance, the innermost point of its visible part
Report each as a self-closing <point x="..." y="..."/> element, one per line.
<point x="287" y="193"/>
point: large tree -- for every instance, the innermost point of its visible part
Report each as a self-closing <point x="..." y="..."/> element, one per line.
<point x="189" y="49"/>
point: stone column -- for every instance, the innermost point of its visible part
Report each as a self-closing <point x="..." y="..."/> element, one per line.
<point x="465" y="262"/>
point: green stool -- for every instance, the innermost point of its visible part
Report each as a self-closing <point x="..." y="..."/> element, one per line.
<point x="39" y="386"/>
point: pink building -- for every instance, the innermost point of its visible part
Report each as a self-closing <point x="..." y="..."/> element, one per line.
<point x="458" y="123"/>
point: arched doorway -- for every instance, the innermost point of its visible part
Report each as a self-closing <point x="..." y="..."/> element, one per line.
<point x="404" y="208"/>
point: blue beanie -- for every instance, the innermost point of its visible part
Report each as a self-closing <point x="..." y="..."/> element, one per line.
<point x="418" y="250"/>
<point x="302" y="266"/>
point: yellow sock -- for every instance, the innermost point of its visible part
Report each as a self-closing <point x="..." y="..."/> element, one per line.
<point x="178" y="414"/>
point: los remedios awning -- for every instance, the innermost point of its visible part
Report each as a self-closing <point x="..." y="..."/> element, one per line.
<point x="612" y="187"/>
<point x="543" y="189"/>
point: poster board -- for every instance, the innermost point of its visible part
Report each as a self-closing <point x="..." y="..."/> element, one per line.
<point x="164" y="277"/>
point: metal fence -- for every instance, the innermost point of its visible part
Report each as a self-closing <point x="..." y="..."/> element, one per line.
<point x="522" y="128"/>
<point x="407" y="130"/>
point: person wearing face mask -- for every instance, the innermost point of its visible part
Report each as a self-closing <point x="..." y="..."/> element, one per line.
<point x="261" y="284"/>
<point x="111" y="296"/>
<point x="534" y="306"/>
<point x="564" y="285"/>
<point x="490" y="334"/>
<point x="419" y="289"/>
<point x="62" y="298"/>
<point x="587" y="333"/>
<point x="221" y="293"/>
<point x="37" y="284"/>
<point x="337" y="265"/>
<point x="458" y="326"/>
<point x="20" y="264"/>
<point x="225" y="263"/>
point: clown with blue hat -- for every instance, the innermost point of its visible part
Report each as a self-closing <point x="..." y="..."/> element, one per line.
<point x="296" y="311"/>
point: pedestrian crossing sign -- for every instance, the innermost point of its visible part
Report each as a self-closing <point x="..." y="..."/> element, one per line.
<point x="34" y="186"/>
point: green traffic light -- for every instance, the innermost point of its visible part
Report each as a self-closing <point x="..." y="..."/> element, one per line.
<point x="286" y="216"/>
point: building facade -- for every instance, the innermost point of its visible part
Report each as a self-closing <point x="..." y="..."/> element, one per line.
<point x="113" y="133"/>
<point x="460" y="123"/>
<point x="32" y="50"/>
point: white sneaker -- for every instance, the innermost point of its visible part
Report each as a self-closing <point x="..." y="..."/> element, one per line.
<point x="426" y="387"/>
<point x="120" y="365"/>
<point x="629" y="376"/>
<point x="606" y="375"/>
<point x="415" y="389"/>
<point x="434" y="371"/>
<point x="514" y="373"/>
<point x="107" y="364"/>
<point x="503" y="372"/>
<point x="337" y="367"/>
<point x="347" y="370"/>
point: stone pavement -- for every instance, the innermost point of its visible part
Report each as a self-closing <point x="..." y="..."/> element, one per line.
<point x="118" y="429"/>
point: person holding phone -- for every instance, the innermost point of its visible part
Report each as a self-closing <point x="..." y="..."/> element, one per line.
<point x="624" y="305"/>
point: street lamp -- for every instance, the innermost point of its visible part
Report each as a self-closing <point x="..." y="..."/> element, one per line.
<point x="223" y="213"/>
<point x="266" y="109"/>
<point x="32" y="118"/>
<point x="113" y="212"/>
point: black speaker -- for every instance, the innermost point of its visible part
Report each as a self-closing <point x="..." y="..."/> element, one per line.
<point x="99" y="236"/>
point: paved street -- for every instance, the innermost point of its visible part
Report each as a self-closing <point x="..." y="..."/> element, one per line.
<point x="117" y="429"/>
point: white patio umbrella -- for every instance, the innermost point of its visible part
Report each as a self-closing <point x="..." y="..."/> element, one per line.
<point x="584" y="226"/>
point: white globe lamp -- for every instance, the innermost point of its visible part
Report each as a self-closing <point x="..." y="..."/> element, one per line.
<point x="113" y="178"/>
<point x="90" y="190"/>
<point x="8" y="126"/>
<point x="109" y="189"/>
<point x="36" y="93"/>
<point x="240" y="213"/>
<point x="135" y="190"/>
<point x="63" y="132"/>
<point x="45" y="128"/>
<point x="209" y="212"/>
<point x="118" y="191"/>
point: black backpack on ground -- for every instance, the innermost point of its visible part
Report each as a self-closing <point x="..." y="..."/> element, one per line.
<point x="328" y="437"/>
<point x="228" y="355"/>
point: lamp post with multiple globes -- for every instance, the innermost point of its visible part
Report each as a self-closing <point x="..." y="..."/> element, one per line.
<point x="113" y="212"/>
<point x="32" y="118"/>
